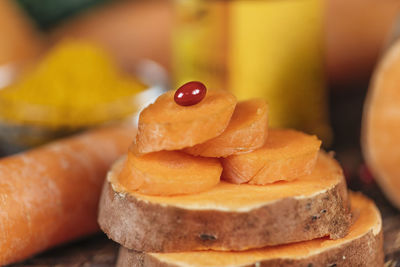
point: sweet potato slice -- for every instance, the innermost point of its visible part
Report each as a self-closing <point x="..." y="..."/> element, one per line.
<point x="246" y="132"/>
<point x="287" y="155"/>
<point x="228" y="216"/>
<point x="169" y="173"/>
<point x="361" y="247"/>
<point x="381" y="125"/>
<point x="165" y="125"/>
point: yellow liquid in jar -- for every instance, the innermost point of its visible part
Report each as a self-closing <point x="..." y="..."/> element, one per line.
<point x="266" y="48"/>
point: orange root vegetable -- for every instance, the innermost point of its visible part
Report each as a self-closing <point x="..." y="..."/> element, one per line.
<point x="287" y="155"/>
<point x="363" y="246"/>
<point x="165" y="125"/>
<point x="169" y="173"/>
<point x="49" y="195"/>
<point x="246" y="132"/>
<point x="229" y="217"/>
<point x="381" y="125"/>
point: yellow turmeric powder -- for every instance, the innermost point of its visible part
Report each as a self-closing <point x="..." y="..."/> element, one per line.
<point x="76" y="84"/>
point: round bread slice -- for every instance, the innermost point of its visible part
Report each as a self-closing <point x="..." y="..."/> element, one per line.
<point x="361" y="247"/>
<point x="228" y="216"/>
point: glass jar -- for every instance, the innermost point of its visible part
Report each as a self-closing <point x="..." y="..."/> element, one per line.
<point x="257" y="48"/>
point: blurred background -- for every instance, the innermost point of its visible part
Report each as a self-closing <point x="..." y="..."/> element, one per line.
<point x="66" y="66"/>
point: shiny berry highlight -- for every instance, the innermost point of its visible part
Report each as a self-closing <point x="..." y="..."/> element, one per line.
<point x="190" y="93"/>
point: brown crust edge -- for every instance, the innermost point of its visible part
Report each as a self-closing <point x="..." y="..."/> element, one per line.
<point x="150" y="227"/>
<point x="364" y="251"/>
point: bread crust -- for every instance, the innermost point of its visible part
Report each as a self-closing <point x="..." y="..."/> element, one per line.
<point x="151" y="227"/>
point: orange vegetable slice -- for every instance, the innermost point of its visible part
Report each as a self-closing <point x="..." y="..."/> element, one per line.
<point x="49" y="195"/>
<point x="169" y="173"/>
<point x="287" y="155"/>
<point x="363" y="246"/>
<point x="246" y="131"/>
<point x="165" y="125"/>
<point x="381" y="125"/>
<point x="232" y="216"/>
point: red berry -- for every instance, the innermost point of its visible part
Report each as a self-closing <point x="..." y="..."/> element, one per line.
<point x="190" y="93"/>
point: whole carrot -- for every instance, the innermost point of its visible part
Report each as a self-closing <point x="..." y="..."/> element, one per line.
<point x="49" y="195"/>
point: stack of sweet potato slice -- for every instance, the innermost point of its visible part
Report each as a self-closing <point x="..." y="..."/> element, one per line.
<point x="211" y="185"/>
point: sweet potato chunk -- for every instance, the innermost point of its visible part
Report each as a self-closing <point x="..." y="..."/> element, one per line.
<point x="361" y="247"/>
<point x="165" y="125"/>
<point x="232" y="216"/>
<point x="381" y="125"/>
<point x="287" y="155"/>
<point x="169" y="173"/>
<point x="246" y="132"/>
